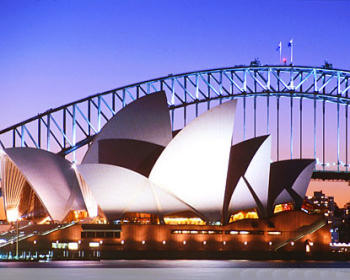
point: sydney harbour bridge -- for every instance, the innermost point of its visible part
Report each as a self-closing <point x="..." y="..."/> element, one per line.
<point x="305" y="109"/>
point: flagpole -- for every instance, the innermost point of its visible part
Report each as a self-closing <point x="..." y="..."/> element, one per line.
<point x="280" y="52"/>
<point x="291" y="51"/>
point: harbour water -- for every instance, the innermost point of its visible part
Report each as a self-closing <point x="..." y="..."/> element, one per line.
<point x="199" y="264"/>
<point x="175" y="269"/>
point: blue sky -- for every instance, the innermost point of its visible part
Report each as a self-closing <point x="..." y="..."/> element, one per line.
<point x="54" y="52"/>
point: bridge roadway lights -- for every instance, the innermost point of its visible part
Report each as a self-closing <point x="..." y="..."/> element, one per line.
<point x="331" y="175"/>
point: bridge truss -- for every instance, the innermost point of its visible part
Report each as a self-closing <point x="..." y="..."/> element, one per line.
<point x="305" y="109"/>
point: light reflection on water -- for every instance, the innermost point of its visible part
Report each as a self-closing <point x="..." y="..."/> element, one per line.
<point x="178" y="264"/>
<point x="175" y="270"/>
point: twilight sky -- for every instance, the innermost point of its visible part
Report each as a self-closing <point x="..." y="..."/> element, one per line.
<point x="54" y="52"/>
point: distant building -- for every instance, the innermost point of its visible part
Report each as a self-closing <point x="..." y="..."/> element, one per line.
<point x="338" y="218"/>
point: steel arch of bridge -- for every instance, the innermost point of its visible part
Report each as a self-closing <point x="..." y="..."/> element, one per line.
<point x="69" y="127"/>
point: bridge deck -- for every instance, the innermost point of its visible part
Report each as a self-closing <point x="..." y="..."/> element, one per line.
<point x="331" y="175"/>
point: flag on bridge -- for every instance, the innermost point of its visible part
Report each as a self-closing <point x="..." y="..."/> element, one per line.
<point x="290" y="45"/>
<point x="279" y="48"/>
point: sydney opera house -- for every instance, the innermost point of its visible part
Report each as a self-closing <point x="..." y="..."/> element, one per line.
<point x="142" y="188"/>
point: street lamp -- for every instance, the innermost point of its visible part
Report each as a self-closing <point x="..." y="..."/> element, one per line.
<point x="12" y="216"/>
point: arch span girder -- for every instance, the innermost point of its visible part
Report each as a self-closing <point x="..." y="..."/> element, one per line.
<point x="66" y="128"/>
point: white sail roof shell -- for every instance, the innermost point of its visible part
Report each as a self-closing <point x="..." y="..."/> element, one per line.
<point x="242" y="198"/>
<point x="283" y="197"/>
<point x="52" y="179"/>
<point x="194" y="164"/>
<point x="146" y="119"/>
<point x="257" y="174"/>
<point x="302" y="182"/>
<point x="290" y="176"/>
<point x="118" y="190"/>
<point x="258" y="171"/>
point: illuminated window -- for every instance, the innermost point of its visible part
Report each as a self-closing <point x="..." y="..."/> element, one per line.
<point x="183" y="221"/>
<point x="274" y="232"/>
<point x="283" y="207"/>
<point x="243" y="215"/>
<point x="58" y="245"/>
<point x="196" y="231"/>
<point x="94" y="244"/>
<point x="73" y="246"/>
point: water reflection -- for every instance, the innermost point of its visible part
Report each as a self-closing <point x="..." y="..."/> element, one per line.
<point x="178" y="264"/>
